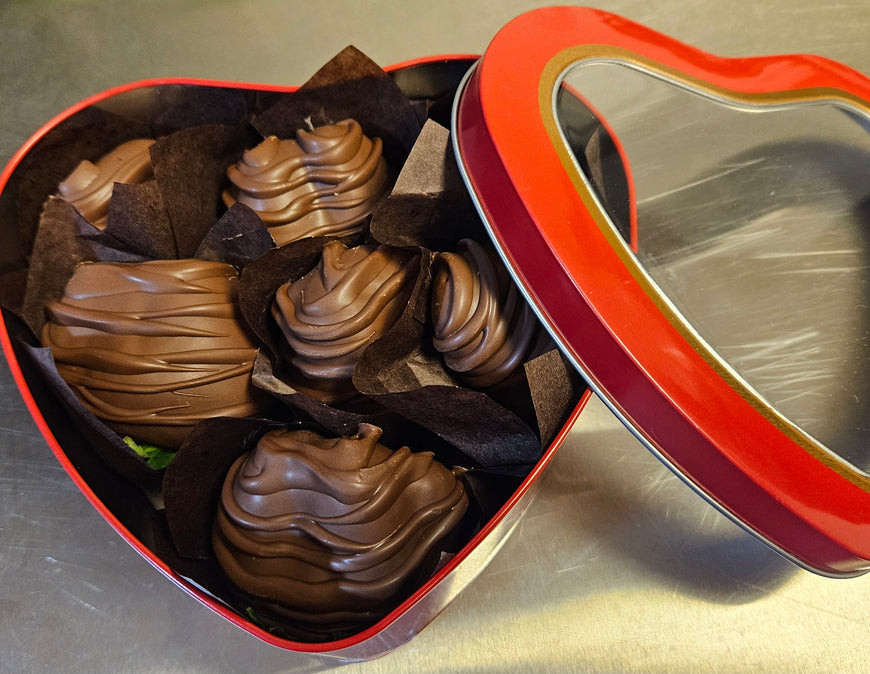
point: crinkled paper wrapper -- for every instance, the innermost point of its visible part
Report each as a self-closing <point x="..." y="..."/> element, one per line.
<point x="497" y="436"/>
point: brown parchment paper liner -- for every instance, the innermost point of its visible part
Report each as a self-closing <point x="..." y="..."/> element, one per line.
<point x="429" y="205"/>
<point x="507" y="424"/>
<point x="249" y="240"/>
<point x="97" y="129"/>
<point x="179" y="213"/>
<point x="141" y="227"/>
<point x="191" y="489"/>
<point x="165" y="218"/>
<point x="401" y="371"/>
<point x="258" y="284"/>
<point x="199" y="132"/>
<point x="350" y="85"/>
<point x="103" y="440"/>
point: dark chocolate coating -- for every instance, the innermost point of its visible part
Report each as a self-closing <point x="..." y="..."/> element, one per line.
<point x="89" y="187"/>
<point x="352" y="297"/>
<point x="152" y="348"/>
<point x="326" y="182"/>
<point x="332" y="528"/>
<point x="482" y="325"/>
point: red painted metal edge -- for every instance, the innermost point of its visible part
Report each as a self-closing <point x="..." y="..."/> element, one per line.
<point x="650" y="375"/>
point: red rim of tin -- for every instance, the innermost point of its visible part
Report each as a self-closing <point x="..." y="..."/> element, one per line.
<point x="753" y="465"/>
<point x="353" y="647"/>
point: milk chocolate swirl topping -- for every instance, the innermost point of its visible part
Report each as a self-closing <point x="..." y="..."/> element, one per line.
<point x="482" y="325"/>
<point x="324" y="182"/>
<point x="332" y="528"/>
<point x="152" y="348"/>
<point x="89" y="186"/>
<point x="352" y="297"/>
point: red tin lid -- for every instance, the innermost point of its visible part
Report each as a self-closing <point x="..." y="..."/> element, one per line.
<point x="690" y="230"/>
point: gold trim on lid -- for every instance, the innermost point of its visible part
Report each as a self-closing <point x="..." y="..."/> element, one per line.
<point x="551" y="77"/>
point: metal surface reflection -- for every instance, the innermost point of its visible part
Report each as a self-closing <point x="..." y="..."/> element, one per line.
<point x="751" y="220"/>
<point x="617" y="566"/>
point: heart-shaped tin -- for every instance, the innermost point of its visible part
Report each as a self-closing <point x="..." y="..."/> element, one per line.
<point x="554" y="129"/>
<point x="166" y="514"/>
<point x="718" y="336"/>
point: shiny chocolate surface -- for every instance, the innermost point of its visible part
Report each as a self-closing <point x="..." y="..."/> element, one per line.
<point x="332" y="529"/>
<point x="89" y="186"/>
<point x="617" y="566"/>
<point x="483" y="326"/>
<point x="151" y="348"/>
<point x="325" y="181"/>
<point x="352" y="297"/>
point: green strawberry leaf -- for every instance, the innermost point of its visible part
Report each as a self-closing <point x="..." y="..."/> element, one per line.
<point x="156" y="457"/>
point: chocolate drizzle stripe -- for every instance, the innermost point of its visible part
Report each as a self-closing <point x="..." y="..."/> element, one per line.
<point x="326" y="181"/>
<point x="326" y="525"/>
<point x="379" y="581"/>
<point x="342" y="554"/>
<point x="344" y="179"/>
<point x="112" y="361"/>
<point x="373" y="276"/>
<point x="158" y="416"/>
<point x="111" y="322"/>
<point x="357" y="329"/>
<point x="76" y="376"/>
<point x="335" y="311"/>
<point x="337" y="153"/>
<point x="111" y="412"/>
<point x="368" y="492"/>
<point x="483" y="328"/>
<point x="170" y="277"/>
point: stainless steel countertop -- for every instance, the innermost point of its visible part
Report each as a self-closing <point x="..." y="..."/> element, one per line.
<point x="618" y="566"/>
